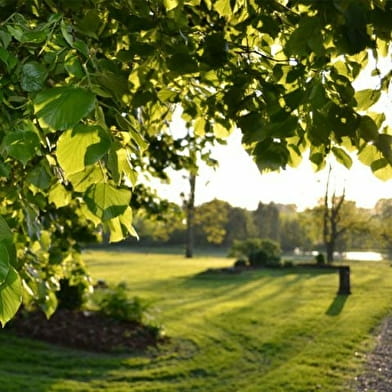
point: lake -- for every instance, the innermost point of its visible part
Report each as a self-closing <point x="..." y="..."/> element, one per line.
<point x="363" y="256"/>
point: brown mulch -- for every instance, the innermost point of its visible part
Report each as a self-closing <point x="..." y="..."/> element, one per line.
<point x="377" y="376"/>
<point x="85" y="330"/>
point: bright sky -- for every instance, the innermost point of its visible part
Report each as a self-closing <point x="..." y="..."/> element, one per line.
<point x="238" y="181"/>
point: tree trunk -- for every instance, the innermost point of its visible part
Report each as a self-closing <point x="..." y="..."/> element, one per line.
<point x="330" y="248"/>
<point x="190" y="215"/>
<point x="344" y="281"/>
<point x="331" y="219"/>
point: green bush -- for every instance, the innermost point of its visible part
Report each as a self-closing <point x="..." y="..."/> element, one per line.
<point x="288" y="264"/>
<point x="258" y="258"/>
<point x="320" y="259"/>
<point x="70" y="296"/>
<point x="240" y="263"/>
<point x="114" y="302"/>
<point x="244" y="248"/>
<point x="259" y="252"/>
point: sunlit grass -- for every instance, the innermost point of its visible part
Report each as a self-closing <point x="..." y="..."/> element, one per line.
<point x="267" y="330"/>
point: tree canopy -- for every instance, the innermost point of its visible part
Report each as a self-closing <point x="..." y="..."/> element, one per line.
<point x="89" y="88"/>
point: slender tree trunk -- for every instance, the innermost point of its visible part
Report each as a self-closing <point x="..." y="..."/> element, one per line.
<point x="330" y="249"/>
<point x="331" y="220"/>
<point x="190" y="215"/>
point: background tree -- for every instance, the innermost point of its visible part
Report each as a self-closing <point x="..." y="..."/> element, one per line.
<point x="267" y="222"/>
<point x="211" y="219"/>
<point x="239" y="225"/>
<point x="294" y="234"/>
<point x="338" y="218"/>
<point x="383" y="220"/>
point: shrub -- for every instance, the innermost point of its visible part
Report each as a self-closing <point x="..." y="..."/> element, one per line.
<point x="288" y="264"/>
<point x="114" y="302"/>
<point x="320" y="259"/>
<point x="70" y="296"/>
<point x="244" y="248"/>
<point x="259" y="252"/>
<point x="258" y="258"/>
<point x="268" y="255"/>
<point x="240" y="263"/>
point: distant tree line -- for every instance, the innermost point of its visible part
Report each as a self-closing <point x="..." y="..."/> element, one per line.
<point x="218" y="224"/>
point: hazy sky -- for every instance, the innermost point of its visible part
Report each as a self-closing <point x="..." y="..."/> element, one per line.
<point x="238" y="181"/>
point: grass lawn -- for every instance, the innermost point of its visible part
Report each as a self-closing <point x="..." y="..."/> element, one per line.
<point x="271" y="330"/>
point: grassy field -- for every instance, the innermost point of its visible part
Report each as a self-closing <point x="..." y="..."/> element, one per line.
<point x="271" y="330"/>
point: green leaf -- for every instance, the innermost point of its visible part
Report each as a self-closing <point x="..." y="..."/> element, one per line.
<point x="24" y="36"/>
<point x="33" y="76"/>
<point x="167" y="95"/>
<point x="220" y="131"/>
<point x="49" y="305"/>
<point x="107" y="201"/>
<point x="83" y="179"/>
<point x="170" y="4"/>
<point x="384" y="145"/>
<point x="63" y="107"/>
<point x="8" y="59"/>
<point x="91" y="24"/>
<point x="300" y="41"/>
<point x="81" y="47"/>
<point x="87" y="214"/>
<point x="4" y="263"/>
<point x="39" y="177"/>
<point x="126" y="221"/>
<point x="366" y="98"/>
<point x="124" y="165"/>
<point x="10" y="295"/>
<point x="378" y="118"/>
<point x="342" y="157"/>
<point x="5" y="39"/>
<point x="115" y="229"/>
<point x="6" y="239"/>
<point x="368" y="129"/>
<point x="59" y="196"/>
<point x="369" y="154"/>
<point x="318" y="97"/>
<point x="200" y="126"/>
<point x="294" y="98"/>
<point x="5" y="170"/>
<point x="21" y="145"/>
<point x="382" y="169"/>
<point x="125" y="124"/>
<point x="5" y="232"/>
<point x="182" y="63"/>
<point x="66" y="31"/>
<point x="73" y="66"/>
<point x="80" y="147"/>
<point x="223" y="8"/>
<point x="121" y="226"/>
<point x="271" y="155"/>
<point x="215" y="50"/>
<point x="253" y="127"/>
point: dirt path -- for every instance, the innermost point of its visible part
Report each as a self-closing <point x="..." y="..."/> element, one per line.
<point x="378" y="370"/>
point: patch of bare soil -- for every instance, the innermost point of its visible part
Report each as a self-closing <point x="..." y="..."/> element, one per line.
<point x="86" y="330"/>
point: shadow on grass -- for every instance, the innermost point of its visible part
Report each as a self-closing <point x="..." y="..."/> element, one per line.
<point x="232" y="277"/>
<point x="222" y="286"/>
<point x="337" y="305"/>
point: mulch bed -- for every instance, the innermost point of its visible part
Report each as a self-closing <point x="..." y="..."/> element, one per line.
<point x="85" y="330"/>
